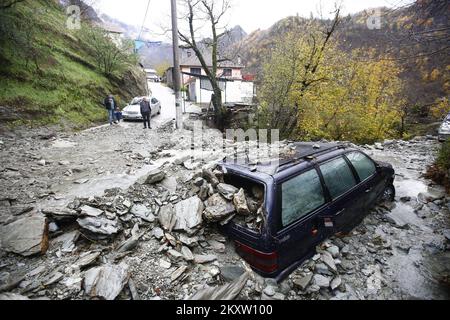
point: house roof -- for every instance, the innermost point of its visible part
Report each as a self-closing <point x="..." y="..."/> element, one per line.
<point x="193" y="61"/>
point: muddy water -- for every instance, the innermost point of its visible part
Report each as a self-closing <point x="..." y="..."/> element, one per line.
<point x="416" y="271"/>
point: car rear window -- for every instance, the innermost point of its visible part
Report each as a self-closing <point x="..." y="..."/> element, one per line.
<point x="300" y="196"/>
<point x="338" y="177"/>
<point x="362" y="164"/>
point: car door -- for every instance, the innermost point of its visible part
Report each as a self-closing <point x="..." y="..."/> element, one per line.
<point x="154" y="106"/>
<point x="370" y="180"/>
<point x="301" y="198"/>
<point x="344" y="194"/>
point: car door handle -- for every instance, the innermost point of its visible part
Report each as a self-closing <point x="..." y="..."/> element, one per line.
<point x="368" y="190"/>
<point x="340" y="212"/>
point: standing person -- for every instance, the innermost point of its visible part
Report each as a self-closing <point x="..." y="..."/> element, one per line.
<point x="146" y="112"/>
<point x="110" y="105"/>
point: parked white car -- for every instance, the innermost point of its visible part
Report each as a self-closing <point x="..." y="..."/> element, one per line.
<point x="133" y="110"/>
<point x="444" y="129"/>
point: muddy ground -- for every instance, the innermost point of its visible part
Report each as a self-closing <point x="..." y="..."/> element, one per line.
<point x="400" y="251"/>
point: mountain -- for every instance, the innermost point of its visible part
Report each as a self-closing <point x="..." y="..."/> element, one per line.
<point x="157" y="54"/>
<point x="415" y="36"/>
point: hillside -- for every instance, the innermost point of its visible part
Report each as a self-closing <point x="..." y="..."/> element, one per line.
<point x="416" y="37"/>
<point x="50" y="75"/>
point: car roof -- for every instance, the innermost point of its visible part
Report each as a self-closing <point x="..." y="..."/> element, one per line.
<point x="302" y="153"/>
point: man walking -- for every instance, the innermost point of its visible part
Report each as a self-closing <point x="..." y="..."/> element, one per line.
<point x="146" y="112"/>
<point x="110" y="105"/>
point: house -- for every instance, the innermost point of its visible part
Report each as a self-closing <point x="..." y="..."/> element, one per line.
<point x="234" y="88"/>
<point x="152" y="75"/>
<point x="115" y="33"/>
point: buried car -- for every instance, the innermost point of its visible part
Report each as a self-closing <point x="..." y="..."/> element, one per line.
<point x="320" y="190"/>
<point x="133" y="110"/>
<point x="444" y="129"/>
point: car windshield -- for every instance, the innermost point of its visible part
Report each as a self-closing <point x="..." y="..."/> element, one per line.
<point x="136" y="101"/>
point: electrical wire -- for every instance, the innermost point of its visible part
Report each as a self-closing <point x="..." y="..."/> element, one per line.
<point x="145" y="18"/>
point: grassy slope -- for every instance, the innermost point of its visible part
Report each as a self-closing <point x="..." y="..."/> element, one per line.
<point x="68" y="89"/>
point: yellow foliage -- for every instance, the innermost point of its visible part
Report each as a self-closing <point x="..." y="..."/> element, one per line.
<point x="347" y="100"/>
<point x="441" y="108"/>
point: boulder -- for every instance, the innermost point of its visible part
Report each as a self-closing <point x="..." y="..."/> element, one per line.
<point x="303" y="282"/>
<point x="227" y="190"/>
<point x="155" y="176"/>
<point x="217" y="208"/>
<point x="240" y="202"/>
<point x="106" y="281"/>
<point x="141" y="211"/>
<point x="27" y="236"/>
<point x="188" y="214"/>
<point x="90" y="211"/>
<point x="321" y="281"/>
<point x="98" y="225"/>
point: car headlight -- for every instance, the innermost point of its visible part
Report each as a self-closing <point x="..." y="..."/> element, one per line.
<point x="445" y="128"/>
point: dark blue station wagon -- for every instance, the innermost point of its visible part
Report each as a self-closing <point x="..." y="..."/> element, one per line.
<point x="321" y="190"/>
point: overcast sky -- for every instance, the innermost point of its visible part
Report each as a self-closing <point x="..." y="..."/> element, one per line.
<point x="249" y="14"/>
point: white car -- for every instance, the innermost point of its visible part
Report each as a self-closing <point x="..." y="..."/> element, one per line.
<point x="133" y="110"/>
<point x="444" y="129"/>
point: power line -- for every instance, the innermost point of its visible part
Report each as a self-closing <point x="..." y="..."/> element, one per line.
<point x="145" y="18"/>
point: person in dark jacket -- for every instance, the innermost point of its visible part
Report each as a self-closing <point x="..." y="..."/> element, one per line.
<point x="111" y="105"/>
<point x="146" y="112"/>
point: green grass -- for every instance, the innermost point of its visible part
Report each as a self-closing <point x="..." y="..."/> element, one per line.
<point x="67" y="88"/>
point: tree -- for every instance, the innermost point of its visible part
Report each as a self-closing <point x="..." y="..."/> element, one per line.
<point x="346" y="99"/>
<point x="6" y="4"/>
<point x="212" y="13"/>
<point x="295" y="67"/>
<point x="110" y="57"/>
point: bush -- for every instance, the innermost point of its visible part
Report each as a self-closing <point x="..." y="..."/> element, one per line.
<point x="440" y="171"/>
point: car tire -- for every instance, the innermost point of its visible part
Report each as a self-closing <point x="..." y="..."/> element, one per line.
<point x="388" y="194"/>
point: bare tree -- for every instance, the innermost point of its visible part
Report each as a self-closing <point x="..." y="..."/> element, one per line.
<point x="211" y="13"/>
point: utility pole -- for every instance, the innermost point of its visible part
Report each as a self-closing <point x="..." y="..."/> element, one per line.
<point x="176" y="67"/>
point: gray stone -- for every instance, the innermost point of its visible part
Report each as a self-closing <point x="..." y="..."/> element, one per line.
<point x="60" y="214"/>
<point x="231" y="273"/>
<point x="90" y="211"/>
<point x="170" y="184"/>
<point x="218" y="209"/>
<point x="165" y="264"/>
<point x="446" y="234"/>
<point x="86" y="259"/>
<point x="187" y="253"/>
<point x="155" y="176"/>
<point x="188" y="214"/>
<point x="27" y="236"/>
<point x="204" y="258"/>
<point x="106" y="281"/>
<point x="177" y="273"/>
<point x="329" y="261"/>
<point x="158" y="233"/>
<point x="199" y="181"/>
<point x="227" y="191"/>
<point x="240" y="203"/>
<point x="334" y="250"/>
<point x="335" y="283"/>
<point x="167" y="217"/>
<point x="269" y="291"/>
<point x="175" y="254"/>
<point x="303" y="282"/>
<point x="189" y="241"/>
<point x="321" y="281"/>
<point x="210" y="177"/>
<point x="98" y="225"/>
<point x="141" y="211"/>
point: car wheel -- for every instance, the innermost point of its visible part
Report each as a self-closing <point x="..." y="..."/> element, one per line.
<point x="388" y="193"/>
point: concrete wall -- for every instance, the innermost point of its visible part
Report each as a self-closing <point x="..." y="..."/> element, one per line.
<point x="236" y="92"/>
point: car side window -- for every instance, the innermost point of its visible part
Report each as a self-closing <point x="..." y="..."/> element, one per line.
<point x="154" y="101"/>
<point x="300" y="196"/>
<point x="362" y="164"/>
<point x="338" y="177"/>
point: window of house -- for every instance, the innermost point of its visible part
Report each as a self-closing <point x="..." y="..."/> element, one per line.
<point x="189" y="54"/>
<point x="362" y="164"/>
<point x="227" y="72"/>
<point x="338" y="177"/>
<point x="300" y="196"/>
<point x="196" y="70"/>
